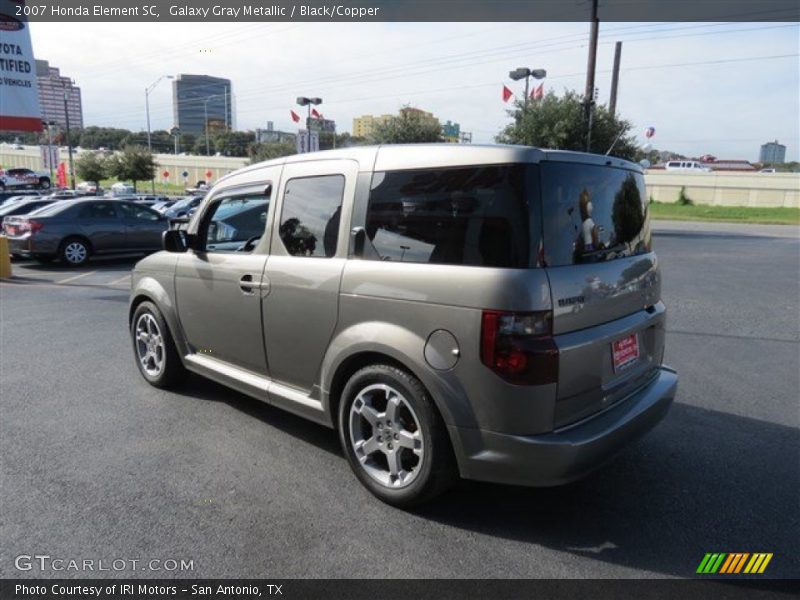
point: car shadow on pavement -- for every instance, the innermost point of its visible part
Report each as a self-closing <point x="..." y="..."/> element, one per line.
<point x="702" y="481"/>
<point x="318" y="435"/>
<point x="101" y="263"/>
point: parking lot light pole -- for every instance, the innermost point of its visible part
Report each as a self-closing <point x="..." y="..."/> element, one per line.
<point x="308" y="102"/>
<point x="526" y="74"/>
<point x="49" y="126"/>
<point x="69" y="141"/>
<point x="147" y="91"/>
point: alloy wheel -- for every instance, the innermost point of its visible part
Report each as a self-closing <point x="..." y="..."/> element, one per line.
<point x="385" y="436"/>
<point x="149" y="345"/>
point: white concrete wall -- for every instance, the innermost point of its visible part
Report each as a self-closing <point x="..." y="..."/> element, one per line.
<point x="197" y="166"/>
<point x="726" y="188"/>
<point x="721" y="189"/>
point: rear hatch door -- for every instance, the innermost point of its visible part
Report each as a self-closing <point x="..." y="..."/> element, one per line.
<point x="605" y="284"/>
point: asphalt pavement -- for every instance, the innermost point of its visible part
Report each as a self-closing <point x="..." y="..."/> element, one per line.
<point x="99" y="465"/>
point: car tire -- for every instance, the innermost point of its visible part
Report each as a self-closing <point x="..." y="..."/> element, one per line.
<point x="44" y="183"/>
<point x="74" y="252"/>
<point x="400" y="454"/>
<point x="154" y="348"/>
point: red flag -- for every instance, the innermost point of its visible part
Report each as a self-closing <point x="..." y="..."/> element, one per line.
<point x="61" y="175"/>
<point x="538" y="93"/>
<point x="315" y="114"/>
<point x="295" y="116"/>
<point x="507" y="93"/>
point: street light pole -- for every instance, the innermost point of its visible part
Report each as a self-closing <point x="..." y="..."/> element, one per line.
<point x="205" y="120"/>
<point x="49" y="126"/>
<point x="69" y="142"/>
<point x="526" y="73"/>
<point x="147" y="91"/>
<point x="304" y="101"/>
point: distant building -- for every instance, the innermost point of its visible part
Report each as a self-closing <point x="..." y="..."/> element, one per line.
<point x="52" y="86"/>
<point x="364" y="125"/>
<point x="200" y="100"/>
<point x="272" y="136"/>
<point x="712" y="162"/>
<point x="451" y="132"/>
<point x="324" y="125"/>
<point x="722" y="164"/>
<point x="772" y="152"/>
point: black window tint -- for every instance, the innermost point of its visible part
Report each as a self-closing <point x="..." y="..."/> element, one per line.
<point x="98" y="210"/>
<point x="477" y="216"/>
<point x="131" y="211"/>
<point x="310" y="216"/>
<point x="592" y="213"/>
<point x="234" y="221"/>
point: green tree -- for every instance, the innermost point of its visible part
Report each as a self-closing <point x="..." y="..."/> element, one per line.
<point x="233" y="143"/>
<point x="557" y="122"/>
<point x="186" y="142"/>
<point x="410" y="126"/>
<point x="263" y="151"/>
<point x="134" y="163"/>
<point x="102" y="137"/>
<point x="91" y="166"/>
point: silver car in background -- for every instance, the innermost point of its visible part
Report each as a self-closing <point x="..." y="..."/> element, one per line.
<point x="492" y="312"/>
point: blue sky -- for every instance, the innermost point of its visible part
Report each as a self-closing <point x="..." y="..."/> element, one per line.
<point x="715" y="88"/>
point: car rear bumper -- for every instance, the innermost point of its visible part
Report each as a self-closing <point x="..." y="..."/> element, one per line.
<point x="569" y="453"/>
<point x="28" y="246"/>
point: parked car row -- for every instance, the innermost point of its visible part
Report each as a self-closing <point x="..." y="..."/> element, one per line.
<point x="73" y="231"/>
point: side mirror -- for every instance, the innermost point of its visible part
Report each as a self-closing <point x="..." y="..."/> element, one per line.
<point x="174" y="240"/>
<point x="358" y="236"/>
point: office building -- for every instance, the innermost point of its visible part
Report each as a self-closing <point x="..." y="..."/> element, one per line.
<point x="773" y="153"/>
<point x="200" y="102"/>
<point x="364" y="125"/>
<point x="52" y="86"/>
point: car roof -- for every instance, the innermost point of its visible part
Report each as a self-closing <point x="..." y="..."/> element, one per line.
<point x="391" y="157"/>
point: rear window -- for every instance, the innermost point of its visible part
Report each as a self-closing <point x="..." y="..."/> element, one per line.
<point x="592" y="213"/>
<point x="54" y="208"/>
<point x="474" y="216"/>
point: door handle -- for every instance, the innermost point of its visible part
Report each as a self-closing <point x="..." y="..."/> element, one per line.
<point x="247" y="285"/>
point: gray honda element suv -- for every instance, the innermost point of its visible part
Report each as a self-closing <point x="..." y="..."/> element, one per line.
<point x="492" y="312"/>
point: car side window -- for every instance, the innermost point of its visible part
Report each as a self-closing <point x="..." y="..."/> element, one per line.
<point x="236" y="223"/>
<point x="310" y="215"/>
<point x="139" y="213"/>
<point x="98" y="210"/>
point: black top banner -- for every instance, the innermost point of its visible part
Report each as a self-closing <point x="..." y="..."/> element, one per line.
<point x="404" y="10"/>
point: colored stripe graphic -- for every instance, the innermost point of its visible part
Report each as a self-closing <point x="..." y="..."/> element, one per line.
<point x="727" y="564"/>
<point x="711" y="563"/>
<point x="734" y="563"/>
<point x="740" y="563"/>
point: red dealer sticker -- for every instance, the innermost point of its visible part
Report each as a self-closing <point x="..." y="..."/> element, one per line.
<point x="625" y="351"/>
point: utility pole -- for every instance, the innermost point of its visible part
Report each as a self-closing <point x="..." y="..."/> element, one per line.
<point x="612" y="105"/>
<point x="588" y="96"/>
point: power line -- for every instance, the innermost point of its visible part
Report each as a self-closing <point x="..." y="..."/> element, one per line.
<point x="451" y="60"/>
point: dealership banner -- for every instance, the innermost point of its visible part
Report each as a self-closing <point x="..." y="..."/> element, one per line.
<point x="19" y="93"/>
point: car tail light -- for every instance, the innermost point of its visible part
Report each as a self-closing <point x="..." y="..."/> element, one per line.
<point x="519" y="347"/>
<point x="35" y="226"/>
